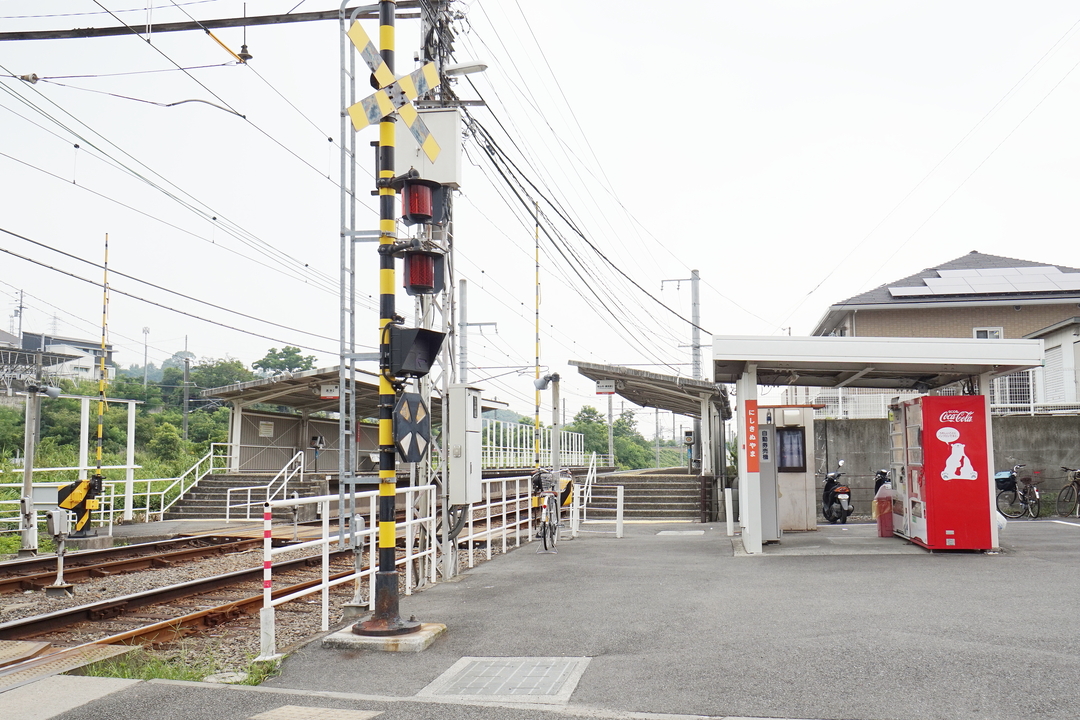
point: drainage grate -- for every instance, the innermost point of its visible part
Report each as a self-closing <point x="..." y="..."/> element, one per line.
<point x="681" y="532"/>
<point x="538" y="680"/>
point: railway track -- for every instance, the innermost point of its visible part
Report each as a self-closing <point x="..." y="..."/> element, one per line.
<point x="38" y="572"/>
<point x="166" y="603"/>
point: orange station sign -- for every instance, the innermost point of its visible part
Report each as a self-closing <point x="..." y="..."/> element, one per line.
<point x="751" y="442"/>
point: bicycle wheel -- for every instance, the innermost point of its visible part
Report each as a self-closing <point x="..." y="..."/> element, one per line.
<point x="553" y="521"/>
<point x="1066" y="500"/>
<point x="1033" y="504"/>
<point x="548" y="544"/>
<point x="1009" y="504"/>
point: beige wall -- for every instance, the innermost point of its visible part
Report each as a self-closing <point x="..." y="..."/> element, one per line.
<point x="959" y="322"/>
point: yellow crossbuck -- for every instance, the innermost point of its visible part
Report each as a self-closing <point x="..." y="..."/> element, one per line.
<point x="393" y="95"/>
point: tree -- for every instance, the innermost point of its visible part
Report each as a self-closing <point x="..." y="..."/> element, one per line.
<point x="211" y="373"/>
<point x="288" y="359"/>
<point x="166" y="443"/>
<point x="177" y="359"/>
<point x="590" y="423"/>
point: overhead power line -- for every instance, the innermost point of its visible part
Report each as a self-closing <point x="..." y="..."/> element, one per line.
<point x="203" y="24"/>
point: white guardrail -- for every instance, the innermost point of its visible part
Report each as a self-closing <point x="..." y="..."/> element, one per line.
<point x="503" y="517"/>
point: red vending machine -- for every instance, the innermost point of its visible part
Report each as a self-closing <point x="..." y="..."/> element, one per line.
<point x="941" y="471"/>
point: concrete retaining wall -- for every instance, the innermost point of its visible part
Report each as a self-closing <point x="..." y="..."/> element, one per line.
<point x="1042" y="442"/>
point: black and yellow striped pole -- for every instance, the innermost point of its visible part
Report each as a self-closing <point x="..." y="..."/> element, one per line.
<point x="386" y="620"/>
<point x="81" y="496"/>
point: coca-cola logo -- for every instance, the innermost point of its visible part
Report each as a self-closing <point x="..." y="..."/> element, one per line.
<point x="957" y="416"/>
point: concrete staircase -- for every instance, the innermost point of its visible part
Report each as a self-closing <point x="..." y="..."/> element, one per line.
<point x="207" y="501"/>
<point x="649" y="495"/>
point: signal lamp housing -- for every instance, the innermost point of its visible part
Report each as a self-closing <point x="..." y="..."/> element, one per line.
<point x="423" y="202"/>
<point x="424" y="272"/>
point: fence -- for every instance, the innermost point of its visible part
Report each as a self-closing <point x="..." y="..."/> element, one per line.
<point x="369" y="537"/>
<point x="510" y="445"/>
<point x="502" y="517"/>
<point x="1013" y="394"/>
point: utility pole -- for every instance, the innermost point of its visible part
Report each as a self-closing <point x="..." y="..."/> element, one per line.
<point x="21" y="309"/>
<point x="695" y="347"/>
<point x="657" y="410"/>
<point x="146" y="334"/>
<point x="463" y="331"/>
<point x="187" y="390"/>
<point x="30" y="436"/>
<point x="610" y="431"/>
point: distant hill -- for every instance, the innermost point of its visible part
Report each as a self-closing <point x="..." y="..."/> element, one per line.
<point x="507" y="416"/>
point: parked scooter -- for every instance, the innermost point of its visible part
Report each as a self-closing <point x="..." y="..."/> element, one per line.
<point x="880" y="478"/>
<point x="836" y="498"/>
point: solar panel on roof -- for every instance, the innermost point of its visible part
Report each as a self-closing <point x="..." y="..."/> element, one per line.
<point x="986" y="281"/>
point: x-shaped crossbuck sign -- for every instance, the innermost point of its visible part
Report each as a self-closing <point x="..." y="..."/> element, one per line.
<point x="393" y="95"/>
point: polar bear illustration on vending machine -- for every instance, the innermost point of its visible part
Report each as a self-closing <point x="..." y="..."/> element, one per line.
<point x="958" y="466"/>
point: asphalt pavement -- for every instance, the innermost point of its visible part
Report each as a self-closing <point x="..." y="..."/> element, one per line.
<point x="673" y="621"/>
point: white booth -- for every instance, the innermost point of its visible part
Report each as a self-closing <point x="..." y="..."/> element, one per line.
<point x="920" y="364"/>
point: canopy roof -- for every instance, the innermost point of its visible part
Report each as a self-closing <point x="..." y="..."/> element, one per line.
<point x="680" y="395"/>
<point x="898" y="363"/>
<point x="303" y="390"/>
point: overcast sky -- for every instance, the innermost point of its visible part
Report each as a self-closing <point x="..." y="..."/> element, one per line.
<point x="795" y="153"/>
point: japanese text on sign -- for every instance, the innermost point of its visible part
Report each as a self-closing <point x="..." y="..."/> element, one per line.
<point x="752" y="456"/>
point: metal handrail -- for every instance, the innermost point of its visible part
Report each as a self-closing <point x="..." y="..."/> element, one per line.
<point x="208" y="458"/>
<point x="292" y="469"/>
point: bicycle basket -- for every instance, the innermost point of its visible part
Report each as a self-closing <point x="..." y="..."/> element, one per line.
<point x="543" y="481"/>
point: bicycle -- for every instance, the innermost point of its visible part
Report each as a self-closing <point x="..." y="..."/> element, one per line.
<point x="546" y="487"/>
<point x="1013" y="503"/>
<point x="1066" y="499"/>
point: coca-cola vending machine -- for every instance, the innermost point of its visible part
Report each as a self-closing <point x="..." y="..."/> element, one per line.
<point x="941" y="471"/>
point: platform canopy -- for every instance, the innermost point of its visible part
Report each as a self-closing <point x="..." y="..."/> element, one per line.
<point x="680" y="395"/>
<point x="304" y="391"/>
<point x="919" y="364"/>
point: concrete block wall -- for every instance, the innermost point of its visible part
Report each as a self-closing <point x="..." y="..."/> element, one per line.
<point x="1042" y="442"/>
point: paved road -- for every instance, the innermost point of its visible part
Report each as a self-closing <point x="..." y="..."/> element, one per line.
<point x="832" y="624"/>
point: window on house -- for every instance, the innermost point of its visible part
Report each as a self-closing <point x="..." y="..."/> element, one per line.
<point x="792" y="446"/>
<point x="987" y="333"/>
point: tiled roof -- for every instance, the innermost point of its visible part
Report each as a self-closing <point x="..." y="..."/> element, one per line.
<point x="974" y="260"/>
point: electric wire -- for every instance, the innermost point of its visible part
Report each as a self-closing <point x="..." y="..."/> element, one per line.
<point x="165" y="307"/>
<point x="167" y="290"/>
<point x="209" y="214"/>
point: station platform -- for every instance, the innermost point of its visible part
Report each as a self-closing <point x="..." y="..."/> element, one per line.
<point x="672" y="622"/>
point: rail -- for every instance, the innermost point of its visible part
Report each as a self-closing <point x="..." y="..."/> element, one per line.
<point x="369" y="536"/>
<point x="276" y="489"/>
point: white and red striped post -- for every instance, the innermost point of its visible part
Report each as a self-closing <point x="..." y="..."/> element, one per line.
<point x="268" y="642"/>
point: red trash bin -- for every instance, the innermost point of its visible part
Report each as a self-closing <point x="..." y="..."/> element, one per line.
<point x="883" y="505"/>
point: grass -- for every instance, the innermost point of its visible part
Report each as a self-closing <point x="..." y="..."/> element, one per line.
<point x="179" y="662"/>
<point x="11" y="543"/>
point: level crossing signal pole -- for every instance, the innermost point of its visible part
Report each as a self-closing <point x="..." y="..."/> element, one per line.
<point x="386" y="619"/>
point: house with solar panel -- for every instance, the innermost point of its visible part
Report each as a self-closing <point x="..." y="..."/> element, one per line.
<point x="973" y="296"/>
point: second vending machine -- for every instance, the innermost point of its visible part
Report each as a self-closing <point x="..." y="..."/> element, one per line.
<point x="941" y="473"/>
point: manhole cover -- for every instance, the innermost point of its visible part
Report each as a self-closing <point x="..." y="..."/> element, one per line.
<point x="539" y="680"/>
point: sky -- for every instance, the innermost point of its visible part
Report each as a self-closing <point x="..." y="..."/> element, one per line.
<point x="794" y="153"/>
